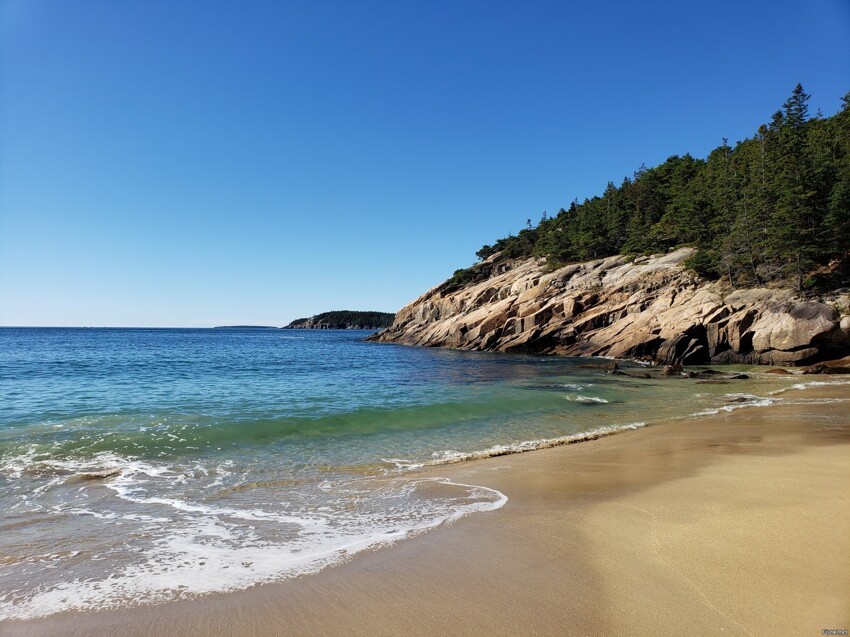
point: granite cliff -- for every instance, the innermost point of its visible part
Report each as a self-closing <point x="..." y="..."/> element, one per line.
<point x="649" y="308"/>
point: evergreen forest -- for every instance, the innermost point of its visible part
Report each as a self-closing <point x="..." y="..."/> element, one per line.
<point x="774" y="208"/>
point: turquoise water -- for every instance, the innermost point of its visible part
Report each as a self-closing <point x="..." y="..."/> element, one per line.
<point x="139" y="466"/>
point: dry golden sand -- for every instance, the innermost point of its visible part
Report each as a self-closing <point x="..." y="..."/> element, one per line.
<point x="737" y="524"/>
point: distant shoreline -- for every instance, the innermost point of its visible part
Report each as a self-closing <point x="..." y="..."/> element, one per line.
<point x="344" y="320"/>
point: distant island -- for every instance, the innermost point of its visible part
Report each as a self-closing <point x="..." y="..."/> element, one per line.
<point x="343" y="320"/>
<point x="245" y="327"/>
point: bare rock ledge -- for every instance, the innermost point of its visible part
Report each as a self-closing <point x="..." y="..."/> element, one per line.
<point x="649" y="308"/>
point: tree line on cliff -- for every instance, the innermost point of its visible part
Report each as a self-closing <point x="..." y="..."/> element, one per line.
<point x="773" y="207"/>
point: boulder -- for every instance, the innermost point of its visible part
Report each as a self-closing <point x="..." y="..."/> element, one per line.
<point x="794" y="328"/>
<point x="822" y="368"/>
<point x="838" y="366"/>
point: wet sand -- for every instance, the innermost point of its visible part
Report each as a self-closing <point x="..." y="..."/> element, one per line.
<point x="735" y="524"/>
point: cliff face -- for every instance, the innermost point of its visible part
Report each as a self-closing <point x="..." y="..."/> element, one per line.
<point x="650" y="308"/>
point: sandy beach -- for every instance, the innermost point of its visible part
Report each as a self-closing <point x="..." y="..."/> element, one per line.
<point x="733" y="524"/>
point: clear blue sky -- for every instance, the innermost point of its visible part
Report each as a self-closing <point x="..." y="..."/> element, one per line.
<point x="200" y="163"/>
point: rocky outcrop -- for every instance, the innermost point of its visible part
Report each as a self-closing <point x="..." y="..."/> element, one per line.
<point x="343" y="320"/>
<point x="649" y="308"/>
<point x="840" y="366"/>
<point x="312" y="324"/>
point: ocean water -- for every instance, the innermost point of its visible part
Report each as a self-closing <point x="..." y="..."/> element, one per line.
<point x="140" y="466"/>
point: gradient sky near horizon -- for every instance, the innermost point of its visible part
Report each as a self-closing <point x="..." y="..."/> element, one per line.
<point x="207" y="163"/>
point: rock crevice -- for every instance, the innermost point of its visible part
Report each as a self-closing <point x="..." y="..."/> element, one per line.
<point x="649" y="308"/>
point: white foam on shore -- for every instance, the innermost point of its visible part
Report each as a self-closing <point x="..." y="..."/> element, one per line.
<point x="813" y="383"/>
<point x="453" y="457"/>
<point x="586" y="400"/>
<point x="204" y="548"/>
<point x="403" y="464"/>
<point x="742" y="400"/>
<point x="750" y="401"/>
<point x="30" y="462"/>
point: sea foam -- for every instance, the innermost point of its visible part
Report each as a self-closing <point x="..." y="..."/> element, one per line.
<point x="196" y="549"/>
<point x="586" y="400"/>
<point x="453" y="457"/>
<point x="813" y="383"/>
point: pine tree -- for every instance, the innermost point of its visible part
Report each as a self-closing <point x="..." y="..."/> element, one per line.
<point x="795" y="222"/>
<point x="837" y="220"/>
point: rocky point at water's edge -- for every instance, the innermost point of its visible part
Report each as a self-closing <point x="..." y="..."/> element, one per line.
<point x="648" y="308"/>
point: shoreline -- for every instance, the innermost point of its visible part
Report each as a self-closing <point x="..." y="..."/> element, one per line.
<point x="582" y="544"/>
<point x="605" y="431"/>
